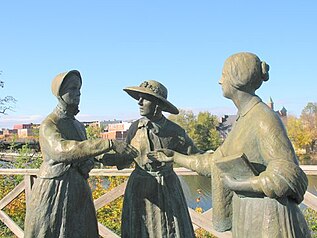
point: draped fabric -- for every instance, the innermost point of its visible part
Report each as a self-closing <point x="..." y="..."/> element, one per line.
<point x="61" y="203"/>
<point x="280" y="218"/>
<point x="283" y="178"/>
<point x="154" y="204"/>
<point x="61" y="207"/>
<point x="261" y="136"/>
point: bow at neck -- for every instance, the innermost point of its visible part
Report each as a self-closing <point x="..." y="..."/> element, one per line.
<point x="155" y="127"/>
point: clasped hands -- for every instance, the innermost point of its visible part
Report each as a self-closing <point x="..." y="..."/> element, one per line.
<point x="166" y="155"/>
<point x="125" y="153"/>
<point x="122" y="153"/>
<point x="161" y="155"/>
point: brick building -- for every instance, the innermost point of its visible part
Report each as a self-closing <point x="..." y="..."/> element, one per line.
<point x="116" y="131"/>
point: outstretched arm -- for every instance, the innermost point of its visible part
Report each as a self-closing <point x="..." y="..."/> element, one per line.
<point x="68" y="151"/>
<point x="200" y="163"/>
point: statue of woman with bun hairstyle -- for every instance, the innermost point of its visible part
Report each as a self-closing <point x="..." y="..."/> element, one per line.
<point x="259" y="206"/>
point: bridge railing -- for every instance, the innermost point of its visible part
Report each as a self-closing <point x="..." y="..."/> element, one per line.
<point x="200" y="220"/>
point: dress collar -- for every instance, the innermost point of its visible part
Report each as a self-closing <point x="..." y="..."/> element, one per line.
<point x="62" y="113"/>
<point x="254" y="101"/>
<point x="151" y="125"/>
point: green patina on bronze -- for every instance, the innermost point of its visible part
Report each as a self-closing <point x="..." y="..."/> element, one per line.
<point x="154" y="203"/>
<point x="259" y="206"/>
<point x="61" y="203"/>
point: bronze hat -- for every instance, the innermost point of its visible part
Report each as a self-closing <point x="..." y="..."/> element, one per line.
<point x="153" y="88"/>
<point x="58" y="81"/>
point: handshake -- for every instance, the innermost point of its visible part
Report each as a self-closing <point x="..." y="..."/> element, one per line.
<point x="122" y="154"/>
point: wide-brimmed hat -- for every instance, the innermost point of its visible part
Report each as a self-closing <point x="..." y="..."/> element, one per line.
<point x="58" y="81"/>
<point x="155" y="89"/>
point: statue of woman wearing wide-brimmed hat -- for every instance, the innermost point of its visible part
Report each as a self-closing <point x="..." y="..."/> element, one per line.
<point x="61" y="203"/>
<point x="154" y="203"/>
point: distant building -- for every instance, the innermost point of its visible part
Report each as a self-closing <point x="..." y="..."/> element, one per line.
<point x="225" y="125"/>
<point x="25" y="130"/>
<point x="26" y="126"/>
<point x="122" y="126"/>
<point x="282" y="113"/>
<point x="105" y="124"/>
<point x="22" y="126"/>
<point x="24" y="133"/>
<point x="7" y="132"/>
<point x="116" y="131"/>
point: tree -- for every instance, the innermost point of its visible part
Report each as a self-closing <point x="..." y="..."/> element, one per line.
<point x="298" y="134"/>
<point x="186" y="119"/>
<point x="205" y="135"/>
<point x="7" y="102"/>
<point x="201" y="128"/>
<point x="309" y="120"/>
<point x="27" y="158"/>
<point x="93" y="132"/>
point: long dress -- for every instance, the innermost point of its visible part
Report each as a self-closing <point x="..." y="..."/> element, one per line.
<point x="261" y="136"/>
<point x="61" y="203"/>
<point x="154" y="204"/>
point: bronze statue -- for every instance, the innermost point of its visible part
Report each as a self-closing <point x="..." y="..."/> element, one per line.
<point x="61" y="203"/>
<point x="154" y="204"/>
<point x="264" y="204"/>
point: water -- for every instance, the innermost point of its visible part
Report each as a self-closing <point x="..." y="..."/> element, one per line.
<point x="5" y="165"/>
<point x="200" y="187"/>
<point x="197" y="189"/>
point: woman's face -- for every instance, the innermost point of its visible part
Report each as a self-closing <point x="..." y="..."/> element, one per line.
<point x="147" y="105"/>
<point x="70" y="91"/>
<point x="227" y="88"/>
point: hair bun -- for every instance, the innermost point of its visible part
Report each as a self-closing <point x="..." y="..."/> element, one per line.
<point x="265" y="71"/>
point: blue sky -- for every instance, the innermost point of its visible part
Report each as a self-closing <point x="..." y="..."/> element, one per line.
<point x="182" y="44"/>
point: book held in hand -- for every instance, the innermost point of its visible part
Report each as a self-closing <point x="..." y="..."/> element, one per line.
<point x="238" y="166"/>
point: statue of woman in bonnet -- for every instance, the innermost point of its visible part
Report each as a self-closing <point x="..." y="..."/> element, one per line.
<point x="259" y="206"/>
<point x="61" y="203"/>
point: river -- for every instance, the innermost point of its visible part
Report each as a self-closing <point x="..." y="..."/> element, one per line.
<point x="197" y="190"/>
